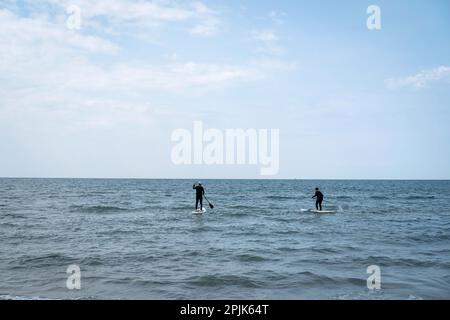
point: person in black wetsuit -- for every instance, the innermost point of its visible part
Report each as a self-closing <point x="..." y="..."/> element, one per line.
<point x="319" y="198"/>
<point x="199" y="192"/>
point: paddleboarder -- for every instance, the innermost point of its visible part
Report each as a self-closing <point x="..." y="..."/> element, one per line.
<point x="319" y="198"/>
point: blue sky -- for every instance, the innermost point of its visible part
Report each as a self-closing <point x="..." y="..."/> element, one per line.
<point x="102" y="101"/>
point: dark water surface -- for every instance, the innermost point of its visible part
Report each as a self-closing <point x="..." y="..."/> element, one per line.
<point x="139" y="239"/>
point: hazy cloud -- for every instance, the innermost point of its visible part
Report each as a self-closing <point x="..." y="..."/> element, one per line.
<point x="133" y="17"/>
<point x="268" y="41"/>
<point x="420" y="80"/>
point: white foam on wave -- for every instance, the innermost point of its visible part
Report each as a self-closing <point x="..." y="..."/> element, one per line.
<point x="12" y="297"/>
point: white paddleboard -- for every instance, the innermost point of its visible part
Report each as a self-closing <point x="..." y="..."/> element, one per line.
<point x="199" y="211"/>
<point x="323" y="211"/>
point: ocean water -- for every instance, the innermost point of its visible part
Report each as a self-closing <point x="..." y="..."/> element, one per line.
<point x="138" y="239"/>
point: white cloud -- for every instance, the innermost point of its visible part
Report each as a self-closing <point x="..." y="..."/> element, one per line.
<point x="48" y="67"/>
<point x="133" y="17"/>
<point x="266" y="36"/>
<point x="268" y="66"/>
<point x="207" y="20"/>
<point x="420" y="80"/>
<point x="277" y="17"/>
<point x="84" y="81"/>
<point x="268" y="41"/>
<point x="127" y="10"/>
<point x="37" y="30"/>
<point x="179" y="76"/>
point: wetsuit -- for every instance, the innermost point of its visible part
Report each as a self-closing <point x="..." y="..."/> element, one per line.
<point x="319" y="198"/>
<point x="199" y="192"/>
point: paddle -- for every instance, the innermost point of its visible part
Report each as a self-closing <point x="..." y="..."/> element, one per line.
<point x="210" y="205"/>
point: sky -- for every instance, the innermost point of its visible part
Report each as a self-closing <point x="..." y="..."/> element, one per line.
<point x="102" y="100"/>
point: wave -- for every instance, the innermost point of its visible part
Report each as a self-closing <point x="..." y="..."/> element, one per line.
<point x="8" y="224"/>
<point x="430" y="238"/>
<point x="41" y="261"/>
<point x="224" y="280"/>
<point x="310" y="279"/>
<point x="410" y="197"/>
<point x="325" y="250"/>
<point x="418" y="197"/>
<point x="379" y="197"/>
<point x="280" y="197"/>
<point x="237" y="207"/>
<point x="344" y="197"/>
<point x="313" y="279"/>
<point x="13" y="297"/>
<point x="92" y="261"/>
<point x="237" y="214"/>
<point x="15" y="216"/>
<point x="398" y="262"/>
<point x="146" y="283"/>
<point x="287" y="249"/>
<point x="251" y="258"/>
<point x="106" y="209"/>
<point x="26" y="298"/>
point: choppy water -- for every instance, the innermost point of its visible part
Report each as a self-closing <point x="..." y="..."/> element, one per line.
<point x="139" y="239"/>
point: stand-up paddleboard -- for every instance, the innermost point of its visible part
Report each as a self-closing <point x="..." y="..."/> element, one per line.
<point x="323" y="211"/>
<point x="199" y="211"/>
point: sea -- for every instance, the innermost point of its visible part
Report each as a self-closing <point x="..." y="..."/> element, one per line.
<point x="138" y="239"/>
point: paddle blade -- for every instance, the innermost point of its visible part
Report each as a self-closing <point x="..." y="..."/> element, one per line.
<point x="211" y="206"/>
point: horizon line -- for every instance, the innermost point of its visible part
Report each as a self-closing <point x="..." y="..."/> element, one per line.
<point x="275" y="179"/>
